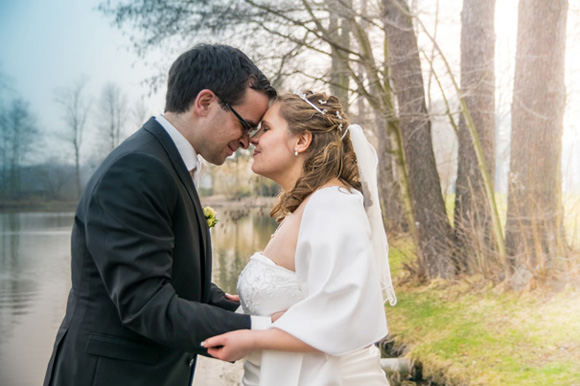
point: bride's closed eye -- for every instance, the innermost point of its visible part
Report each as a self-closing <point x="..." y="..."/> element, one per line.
<point x="263" y="128"/>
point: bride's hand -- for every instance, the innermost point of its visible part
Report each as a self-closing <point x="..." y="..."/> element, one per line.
<point x="277" y="315"/>
<point x="230" y="346"/>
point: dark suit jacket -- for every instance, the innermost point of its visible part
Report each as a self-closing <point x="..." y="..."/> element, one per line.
<point x="142" y="298"/>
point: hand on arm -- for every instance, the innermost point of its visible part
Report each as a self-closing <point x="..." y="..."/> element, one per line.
<point x="277" y="315"/>
<point x="233" y="298"/>
<point x="235" y="345"/>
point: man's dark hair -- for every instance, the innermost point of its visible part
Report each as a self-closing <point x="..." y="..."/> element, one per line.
<point x="225" y="70"/>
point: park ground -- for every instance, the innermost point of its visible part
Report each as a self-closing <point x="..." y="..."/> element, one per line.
<point x="471" y="331"/>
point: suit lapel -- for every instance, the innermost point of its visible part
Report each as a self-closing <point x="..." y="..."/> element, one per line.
<point x="164" y="139"/>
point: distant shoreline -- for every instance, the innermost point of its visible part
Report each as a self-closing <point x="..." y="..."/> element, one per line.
<point x="37" y="206"/>
<point x="239" y="202"/>
<point x="70" y="206"/>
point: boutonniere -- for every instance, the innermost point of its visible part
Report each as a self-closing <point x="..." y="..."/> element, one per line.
<point x="210" y="216"/>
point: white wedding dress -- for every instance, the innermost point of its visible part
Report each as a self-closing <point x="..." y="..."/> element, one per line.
<point x="333" y="300"/>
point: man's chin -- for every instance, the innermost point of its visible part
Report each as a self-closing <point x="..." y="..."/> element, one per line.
<point x="220" y="161"/>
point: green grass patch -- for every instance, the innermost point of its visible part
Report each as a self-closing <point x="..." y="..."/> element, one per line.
<point x="470" y="333"/>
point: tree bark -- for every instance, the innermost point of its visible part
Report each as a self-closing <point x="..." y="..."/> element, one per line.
<point x="339" y="29"/>
<point x="433" y="230"/>
<point x="376" y="90"/>
<point x="471" y="213"/>
<point x="389" y="187"/>
<point x="533" y="229"/>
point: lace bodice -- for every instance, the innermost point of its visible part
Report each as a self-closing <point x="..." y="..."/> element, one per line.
<point x="265" y="287"/>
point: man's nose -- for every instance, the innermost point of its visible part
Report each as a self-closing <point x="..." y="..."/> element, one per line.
<point x="245" y="140"/>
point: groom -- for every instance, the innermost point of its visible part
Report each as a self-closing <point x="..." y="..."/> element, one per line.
<point x="142" y="298"/>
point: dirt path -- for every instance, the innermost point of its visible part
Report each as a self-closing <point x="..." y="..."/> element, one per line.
<point x="212" y="372"/>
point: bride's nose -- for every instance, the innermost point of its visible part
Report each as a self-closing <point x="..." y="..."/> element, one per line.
<point x="255" y="138"/>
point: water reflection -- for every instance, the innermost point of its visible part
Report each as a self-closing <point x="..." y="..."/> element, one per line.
<point x="35" y="280"/>
<point x="234" y="240"/>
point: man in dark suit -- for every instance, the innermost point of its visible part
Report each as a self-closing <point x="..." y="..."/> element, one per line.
<point x="142" y="300"/>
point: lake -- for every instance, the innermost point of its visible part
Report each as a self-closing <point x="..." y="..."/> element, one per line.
<point x="35" y="280"/>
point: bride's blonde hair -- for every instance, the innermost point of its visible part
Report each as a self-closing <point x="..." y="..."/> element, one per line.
<point x="330" y="154"/>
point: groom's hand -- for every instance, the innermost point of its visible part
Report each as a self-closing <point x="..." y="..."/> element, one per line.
<point x="233" y="298"/>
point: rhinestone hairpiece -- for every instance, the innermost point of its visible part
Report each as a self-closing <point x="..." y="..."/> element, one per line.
<point x="303" y="97"/>
<point x="323" y="111"/>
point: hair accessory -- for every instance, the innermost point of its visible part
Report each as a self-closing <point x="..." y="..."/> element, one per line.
<point x="303" y="96"/>
<point x="345" y="131"/>
<point x="321" y="111"/>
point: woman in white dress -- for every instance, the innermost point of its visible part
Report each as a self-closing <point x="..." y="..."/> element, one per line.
<point x="326" y="263"/>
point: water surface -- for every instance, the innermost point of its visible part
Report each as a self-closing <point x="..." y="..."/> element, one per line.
<point x="35" y="280"/>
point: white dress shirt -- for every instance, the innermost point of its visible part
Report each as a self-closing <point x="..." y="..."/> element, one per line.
<point x="185" y="149"/>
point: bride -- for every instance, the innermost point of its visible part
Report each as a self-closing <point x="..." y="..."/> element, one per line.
<point x="325" y="265"/>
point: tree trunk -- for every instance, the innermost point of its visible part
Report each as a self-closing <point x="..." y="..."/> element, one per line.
<point x="77" y="169"/>
<point x="339" y="30"/>
<point x="391" y="184"/>
<point x="471" y="216"/>
<point x="76" y="109"/>
<point x="533" y="229"/>
<point x="389" y="187"/>
<point x="433" y="230"/>
<point x="4" y="146"/>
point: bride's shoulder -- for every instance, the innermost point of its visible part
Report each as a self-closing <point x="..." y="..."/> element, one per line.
<point x="334" y="212"/>
<point x="337" y="193"/>
<point x="334" y="199"/>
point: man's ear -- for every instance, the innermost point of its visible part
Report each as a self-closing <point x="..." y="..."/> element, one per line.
<point x="304" y="141"/>
<point x="203" y="101"/>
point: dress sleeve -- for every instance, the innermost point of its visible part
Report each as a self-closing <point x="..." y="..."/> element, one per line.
<point x="343" y="309"/>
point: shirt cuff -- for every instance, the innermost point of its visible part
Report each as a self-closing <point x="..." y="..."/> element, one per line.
<point x="260" y="322"/>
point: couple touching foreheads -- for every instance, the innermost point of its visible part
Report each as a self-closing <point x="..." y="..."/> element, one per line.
<point x="142" y="304"/>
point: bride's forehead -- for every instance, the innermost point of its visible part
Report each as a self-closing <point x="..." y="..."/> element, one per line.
<point x="273" y="110"/>
<point x="274" y="120"/>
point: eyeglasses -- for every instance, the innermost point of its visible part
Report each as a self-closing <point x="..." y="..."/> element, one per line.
<point x="247" y="127"/>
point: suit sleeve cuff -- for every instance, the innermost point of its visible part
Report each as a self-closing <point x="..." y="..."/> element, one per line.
<point x="260" y="322"/>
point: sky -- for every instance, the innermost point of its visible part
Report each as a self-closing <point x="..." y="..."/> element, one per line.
<point x="46" y="45"/>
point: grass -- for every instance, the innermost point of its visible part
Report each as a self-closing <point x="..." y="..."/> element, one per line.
<point x="470" y="333"/>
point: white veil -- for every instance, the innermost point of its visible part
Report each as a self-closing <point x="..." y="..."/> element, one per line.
<point x="367" y="165"/>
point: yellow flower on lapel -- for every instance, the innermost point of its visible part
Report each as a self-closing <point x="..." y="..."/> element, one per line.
<point x="210" y="216"/>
